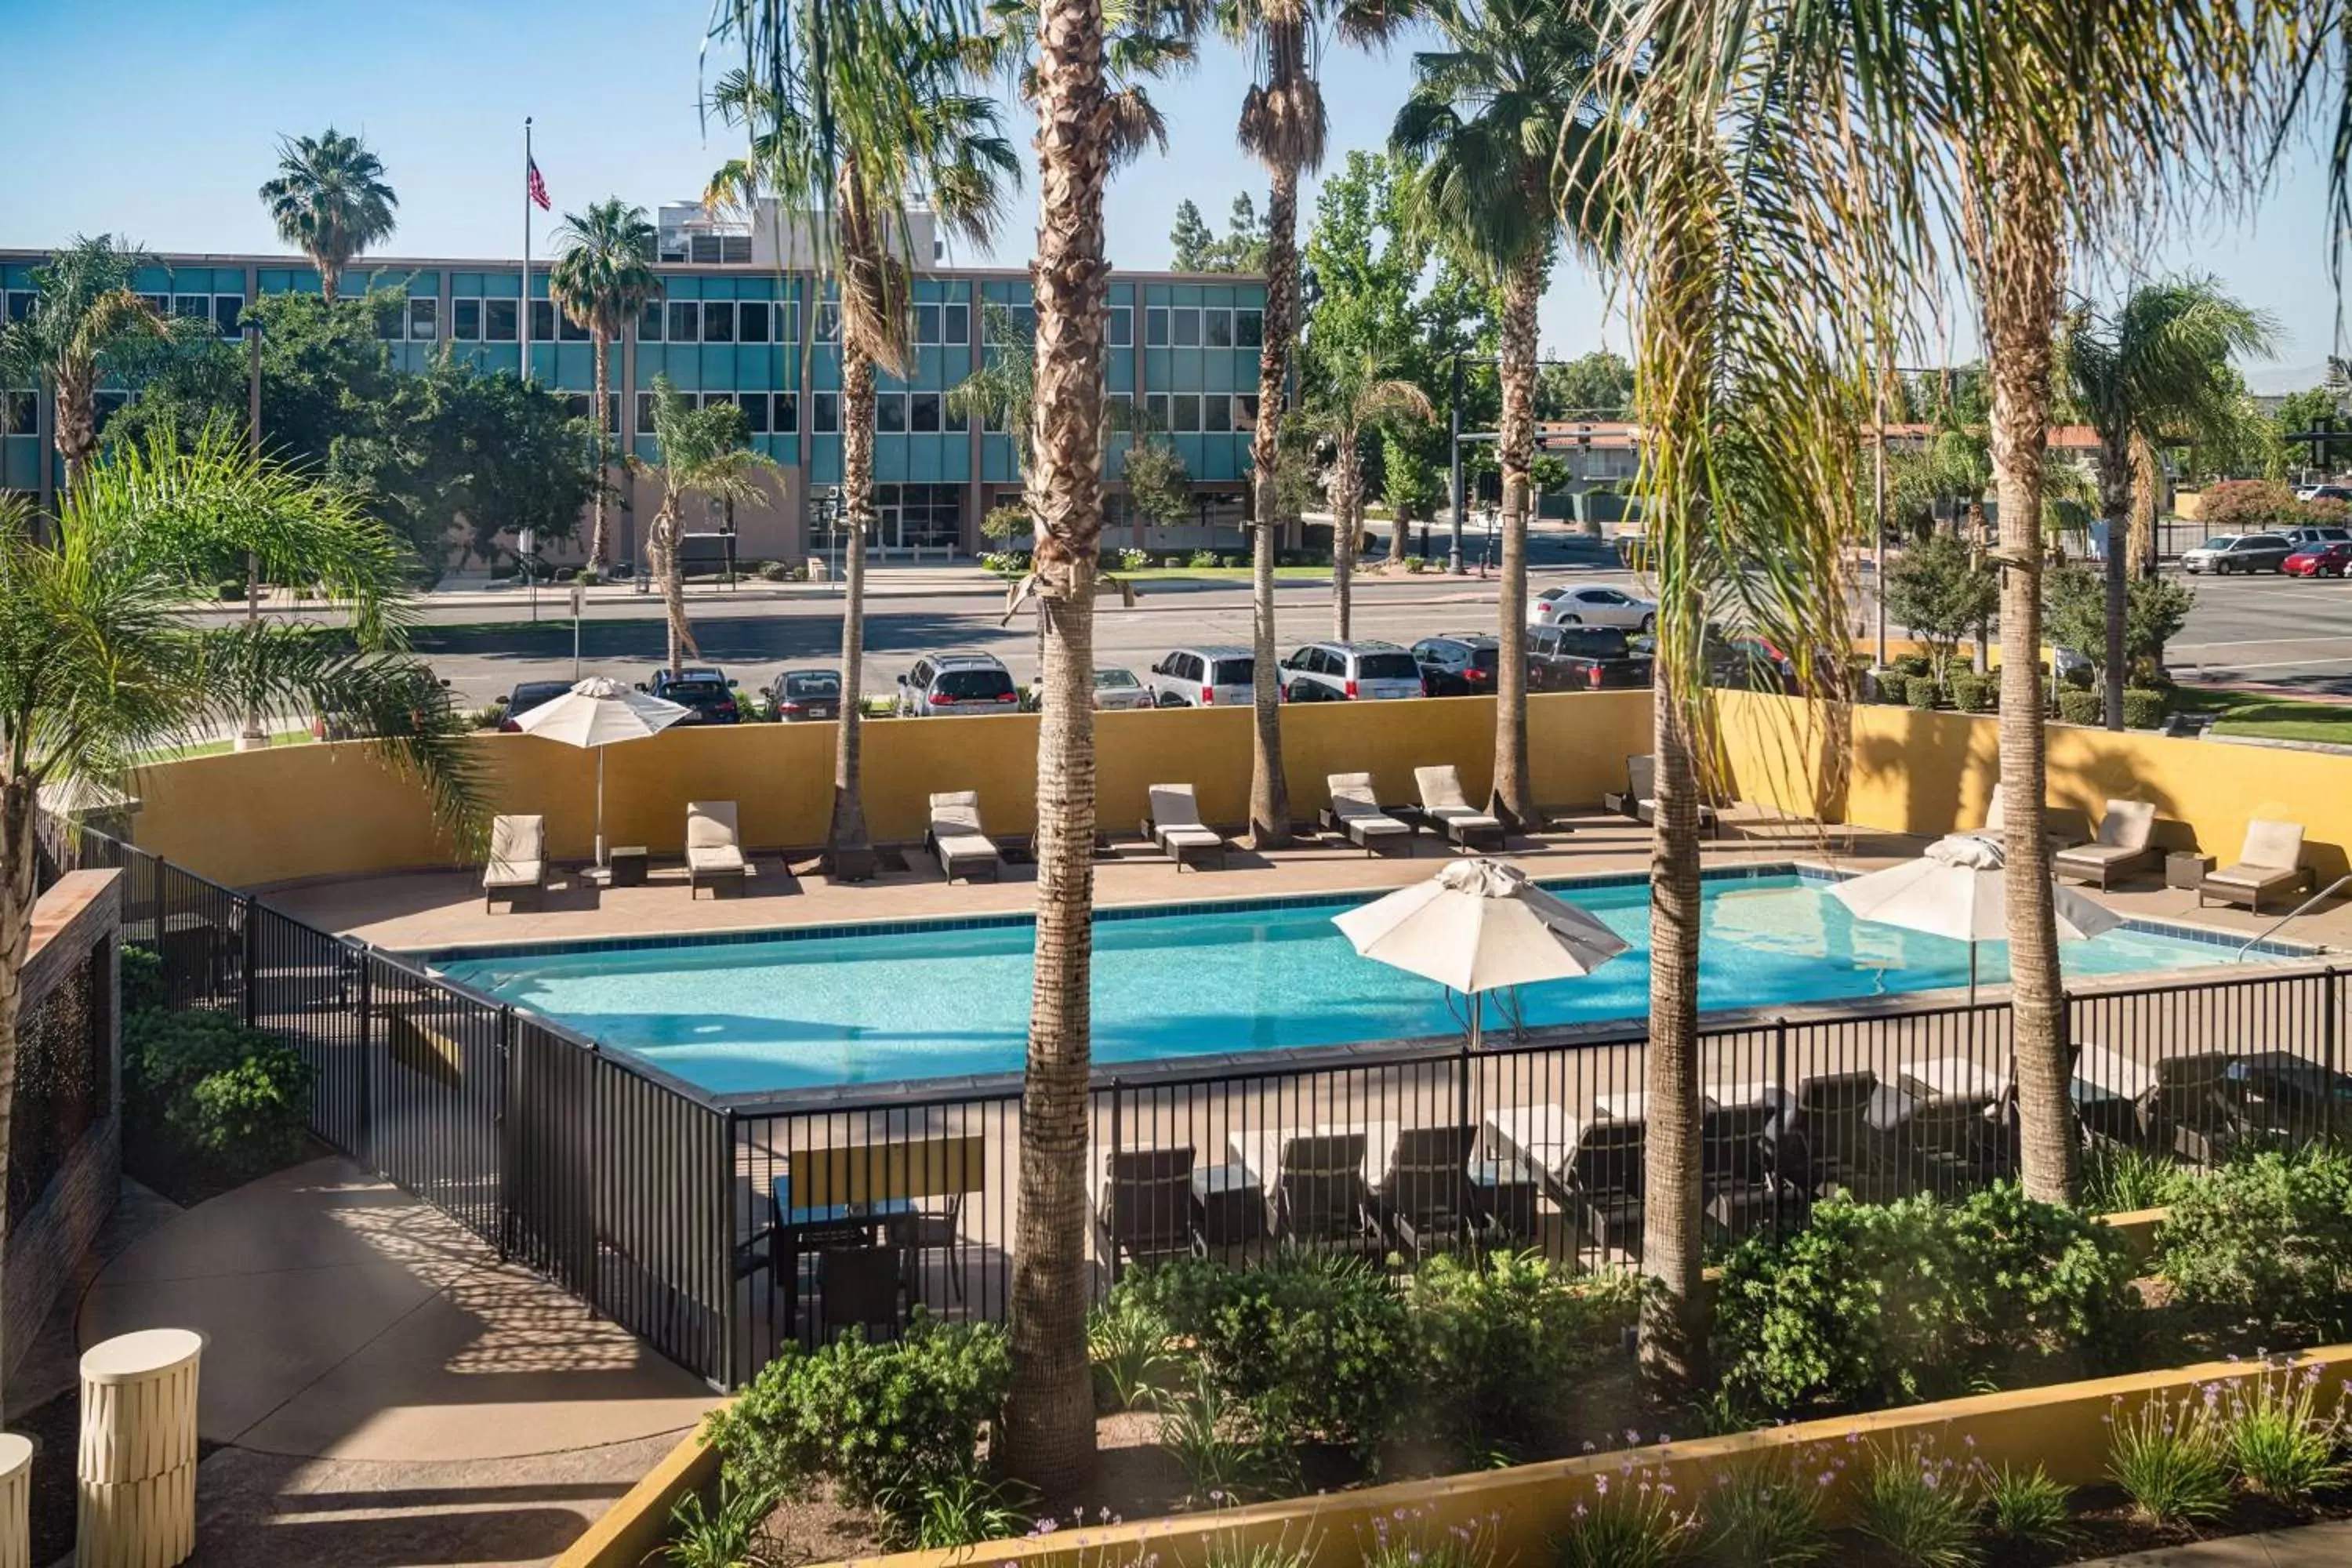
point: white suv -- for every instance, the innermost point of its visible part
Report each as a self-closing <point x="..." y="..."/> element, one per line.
<point x="1221" y="675"/>
<point x="947" y="685"/>
<point x="1593" y="605"/>
<point x="1349" y="672"/>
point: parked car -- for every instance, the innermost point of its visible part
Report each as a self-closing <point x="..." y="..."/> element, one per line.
<point x="1593" y="605"/>
<point x="1584" y="658"/>
<point x="1457" y="664"/>
<point x="526" y="695"/>
<point x="1748" y="664"/>
<point x="1349" y="672"/>
<point x="2325" y="492"/>
<point x="953" y="685"/>
<point x="703" y="688"/>
<point x="2318" y="560"/>
<point x="2227" y="553"/>
<point x="805" y="696"/>
<point x="2304" y="538"/>
<point x="1117" y="691"/>
<point x="1208" y="676"/>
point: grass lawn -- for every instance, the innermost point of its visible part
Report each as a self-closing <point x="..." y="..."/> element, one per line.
<point x="1210" y="574"/>
<point x="2259" y="717"/>
<point x="214" y="747"/>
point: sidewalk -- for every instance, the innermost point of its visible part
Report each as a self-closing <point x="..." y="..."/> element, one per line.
<point x="2309" y="1546"/>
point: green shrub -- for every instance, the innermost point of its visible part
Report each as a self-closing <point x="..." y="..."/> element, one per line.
<point x="1910" y="664"/>
<point x="1921" y="1510"/>
<point x="2265" y="1243"/>
<point x="141" y="981"/>
<point x="1203" y="559"/>
<point x="1974" y="693"/>
<point x="900" y="1420"/>
<point x="2145" y="709"/>
<point x="2041" y="1280"/>
<point x="1217" y="1442"/>
<point x="1768" y="1515"/>
<point x="207" y="1097"/>
<point x="1134" y="560"/>
<point x="731" y="1534"/>
<point x="2082" y="707"/>
<point x="489" y="716"/>
<point x="230" y="588"/>
<point x="779" y="572"/>
<point x="1416" y="564"/>
<point x="1128" y="1345"/>
<point x="1921" y="691"/>
<point x="1006" y="562"/>
<point x="2027" y="1508"/>
<point x="1395" y="1546"/>
<point x="1633" y="1520"/>
<point x="2279" y="1438"/>
<point x="962" y="1511"/>
<point x="1501" y="1345"/>
<point x="2168" y="1458"/>
<point x="2118" y="1179"/>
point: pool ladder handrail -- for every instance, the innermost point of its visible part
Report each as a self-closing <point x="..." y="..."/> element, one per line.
<point x="2300" y="910"/>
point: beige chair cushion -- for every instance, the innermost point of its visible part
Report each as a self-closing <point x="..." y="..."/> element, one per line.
<point x="2126" y="825"/>
<point x="2273" y="845"/>
<point x="957" y="813"/>
<point x="965" y="845"/>
<point x="1441" y="789"/>
<point x="1174" y="805"/>
<point x="711" y="837"/>
<point x="1186" y="836"/>
<point x="518" y="856"/>
<point x="2097" y="854"/>
<point x="1642" y="777"/>
<point x="1352" y="796"/>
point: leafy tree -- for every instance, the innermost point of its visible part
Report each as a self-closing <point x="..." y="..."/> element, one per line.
<point x="2076" y="615"/>
<point x="1003" y="392"/>
<point x="1354" y="396"/>
<point x="602" y="278"/>
<point x="1597" y="385"/>
<point x="1941" y="591"/>
<point x="2238" y="506"/>
<point x="1409" y="480"/>
<point x="1159" y="484"/>
<point x="1196" y="248"/>
<point x="705" y="451"/>
<point x="2308" y="410"/>
<point x="329" y="200"/>
<point x="498" y="455"/>
<point x="1191" y="240"/>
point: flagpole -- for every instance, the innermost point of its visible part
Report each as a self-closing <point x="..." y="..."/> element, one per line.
<point x="522" y="315"/>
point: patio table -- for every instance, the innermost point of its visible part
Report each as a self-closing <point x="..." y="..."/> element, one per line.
<point x="819" y="1227"/>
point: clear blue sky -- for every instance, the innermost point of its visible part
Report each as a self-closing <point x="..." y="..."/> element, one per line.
<point x="157" y="120"/>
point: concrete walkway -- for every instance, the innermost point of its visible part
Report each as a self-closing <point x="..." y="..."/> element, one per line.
<point x="2311" y="1546"/>
<point x="384" y="1390"/>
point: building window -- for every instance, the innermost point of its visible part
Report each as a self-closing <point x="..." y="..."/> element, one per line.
<point x="1246" y="411"/>
<point x="1155" y="327"/>
<point x="890" y="413"/>
<point x="466" y="321"/>
<point x="576" y="406"/>
<point x="20" y="303"/>
<point x="388" y="321"/>
<point x="228" y="314"/>
<point x="788" y="320"/>
<point x="1119" y="409"/>
<point x="498" y="321"/>
<point x="105" y="405"/>
<point x="1216" y="411"/>
<point x="684" y="321"/>
<point x="714" y="399"/>
<point x="423" y="319"/>
<point x="827" y="413"/>
<point x="649" y="323"/>
<point x="1185" y="412"/>
<point x="828" y="323"/>
<point x="755" y="412"/>
<point x="196" y="307"/>
<point x="543" y="322"/>
<point x="1249" y="329"/>
<point x="923" y="411"/>
<point x="1155" y="409"/>
<point x="1122" y="326"/>
<point x="1217" y="329"/>
<point x="1185" y="328"/>
<point x="787" y="417"/>
<point x="613" y="414"/>
<point x="1024" y="321"/>
<point x="645" y="413"/>
<point x="718" y="321"/>
<point x="956" y="324"/>
<point x="20" y="412"/>
<point x="751" y="317"/>
<point x="570" y="331"/>
<point x="927" y="324"/>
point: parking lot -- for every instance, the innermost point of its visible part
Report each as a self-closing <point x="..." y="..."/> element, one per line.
<point x="2292" y="635"/>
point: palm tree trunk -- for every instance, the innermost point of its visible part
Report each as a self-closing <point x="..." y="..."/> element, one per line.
<point x="1269" y="787"/>
<point x="2147" y="477"/>
<point x="1347" y="513"/>
<point x="664" y="549"/>
<point x="1049" y="1421"/>
<point x="846" y="834"/>
<point x="1514" y="793"/>
<point x="327" y="281"/>
<point x="2019" y="282"/>
<point x="603" y="451"/>
<point x="77" y="422"/>
<point x="2115" y="511"/>
<point x="19" y="854"/>
<point x="1673" y="1338"/>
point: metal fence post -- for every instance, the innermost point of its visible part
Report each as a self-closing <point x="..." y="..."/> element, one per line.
<point x="510" y="1221"/>
<point x="1118" y="1142"/>
<point x="2329" y="1033"/>
<point x="249" y="935"/>
<point x="1782" y="1136"/>
<point x="731" y="1300"/>
<point x="1461" y="1082"/>
<point x="363" y="1123"/>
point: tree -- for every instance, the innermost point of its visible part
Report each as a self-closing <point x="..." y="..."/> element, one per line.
<point x="493" y="455"/>
<point x="1597" y="385"/>
<point x="2315" y="409"/>
<point x="1941" y="591"/>
<point x="602" y="278"/>
<point x="899" y="129"/>
<point x="1505" y="130"/>
<point x="1244" y="249"/>
<point x="2155" y="369"/>
<point x="1409" y="481"/>
<point x="1193" y="247"/>
<point x="705" y="451"/>
<point x="1002" y="394"/>
<point x="2076" y="616"/>
<point x="1355" y="396"/>
<point x="87" y="324"/>
<point x="1159" y="484"/>
<point x="330" y="200"/>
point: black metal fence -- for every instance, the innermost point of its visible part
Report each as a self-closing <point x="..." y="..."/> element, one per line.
<point x="718" y="1230"/>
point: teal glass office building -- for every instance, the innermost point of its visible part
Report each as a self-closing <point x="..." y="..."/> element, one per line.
<point x="1183" y="349"/>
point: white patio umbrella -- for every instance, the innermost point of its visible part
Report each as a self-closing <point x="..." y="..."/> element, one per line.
<point x="1955" y="889"/>
<point x="1479" y="926"/>
<point x="598" y="712"/>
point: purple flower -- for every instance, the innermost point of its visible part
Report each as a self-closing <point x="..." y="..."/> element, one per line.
<point x="1601" y="1485"/>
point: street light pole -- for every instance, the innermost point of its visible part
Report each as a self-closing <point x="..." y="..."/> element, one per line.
<point x="253" y="737"/>
<point x="1878" y="556"/>
<point x="1453" y="483"/>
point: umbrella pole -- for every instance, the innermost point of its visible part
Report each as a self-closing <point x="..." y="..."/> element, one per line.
<point x="600" y="812"/>
<point x="1477" y="1016"/>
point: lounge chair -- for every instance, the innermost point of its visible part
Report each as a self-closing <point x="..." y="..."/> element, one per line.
<point x="517" y="868"/>
<point x="1737" y="1189"/>
<point x="1357" y="811"/>
<point x="714" y="856"/>
<point x="1838" y="1147"/>
<point x="1424" y="1199"/>
<point x="955" y="837"/>
<point x="1995" y="828"/>
<point x="1175" y="826"/>
<point x="1148" y="1210"/>
<point x="1639" y="800"/>
<point x="2271" y="862"/>
<point x="1603" y="1178"/>
<point x="2121" y="848"/>
<point x="1444" y="809"/>
<point x="1318" y="1190"/>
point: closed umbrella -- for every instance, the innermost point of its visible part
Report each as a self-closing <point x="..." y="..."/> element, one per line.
<point x="598" y="712"/>
<point x="1480" y="926"/>
<point x="1957" y="889"/>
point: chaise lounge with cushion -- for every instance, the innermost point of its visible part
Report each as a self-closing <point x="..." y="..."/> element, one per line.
<point x="2121" y="847"/>
<point x="1639" y="800"/>
<point x="714" y="856"/>
<point x="2269" y="863"/>
<point x="1444" y="808"/>
<point x="963" y="848"/>
<point x="1175" y="826"/>
<point x="1356" y="812"/>
<point x="517" y="868"/>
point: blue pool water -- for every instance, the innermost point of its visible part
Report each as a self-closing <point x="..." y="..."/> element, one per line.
<point x="805" y="1009"/>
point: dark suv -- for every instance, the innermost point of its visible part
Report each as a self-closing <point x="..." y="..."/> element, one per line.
<point x="526" y="695"/>
<point x="1584" y="658"/>
<point x="700" y="687"/>
<point x="1456" y="664"/>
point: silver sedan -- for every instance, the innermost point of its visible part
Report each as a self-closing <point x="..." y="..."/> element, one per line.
<point x="1593" y="605"/>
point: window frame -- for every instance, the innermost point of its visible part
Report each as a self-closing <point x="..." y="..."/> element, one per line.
<point x="824" y="416"/>
<point x="491" y="307"/>
<point x="937" y="403"/>
<point x="428" y="306"/>
<point x="784" y="413"/>
<point x="889" y="400"/>
<point x="767" y="309"/>
<point x="548" y="336"/>
<point x="1217" y="318"/>
<point x="1122" y="327"/>
<point x="718" y="310"/>
<point x="679" y="313"/>
<point x="1155" y="327"/>
<point x="1256" y="337"/>
<point x="1183" y="407"/>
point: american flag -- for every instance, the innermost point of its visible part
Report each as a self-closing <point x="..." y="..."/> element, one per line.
<point x="538" y="188"/>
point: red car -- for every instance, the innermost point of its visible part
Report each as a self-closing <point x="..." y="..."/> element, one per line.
<point x="2319" y="560"/>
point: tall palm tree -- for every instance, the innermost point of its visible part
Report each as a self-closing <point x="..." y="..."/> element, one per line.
<point x="85" y="325"/>
<point x="2156" y="369"/>
<point x="705" y="452"/>
<point x="330" y="200"/>
<point x="1281" y="126"/>
<point x="601" y="279"/>
<point x="900" y="129"/>
<point x="1353" y="395"/>
<point x="1503" y="129"/>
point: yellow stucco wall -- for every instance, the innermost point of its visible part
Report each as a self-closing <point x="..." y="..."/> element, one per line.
<point x="298" y="812"/>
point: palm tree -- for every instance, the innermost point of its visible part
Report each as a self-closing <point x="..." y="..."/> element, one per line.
<point x="86" y="324"/>
<point x="102" y="662"/>
<point x="2157" y="369"/>
<point x="705" y="452"/>
<point x="604" y="277"/>
<point x="898" y="128"/>
<point x="1353" y="395"/>
<point x="330" y="200"/>
<point x="1503" y="129"/>
<point x="1281" y="126"/>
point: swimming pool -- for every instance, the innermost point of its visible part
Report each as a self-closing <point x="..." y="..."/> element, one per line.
<point x="849" y="1004"/>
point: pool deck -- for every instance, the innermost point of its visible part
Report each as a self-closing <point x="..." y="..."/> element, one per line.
<point x="425" y="910"/>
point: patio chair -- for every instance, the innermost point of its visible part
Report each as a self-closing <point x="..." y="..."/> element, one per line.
<point x="1736" y="1187"/>
<point x="1943" y="1141"/>
<point x="517" y="868"/>
<point x="963" y="848"/>
<point x="2271" y="862"/>
<point x="1147" y="1209"/>
<point x="1175" y="826"/>
<point x="861" y="1288"/>
<point x="714" y="856"/>
<point x="1320" y="1197"/>
<point x="1424" y="1199"/>
<point x="1357" y="811"/>
<point x="2192" y="1112"/>
<point x="2121" y="848"/>
<point x="930" y="1230"/>
<point x="1603" y="1178"/>
<point x="1444" y="807"/>
<point x="1640" y="799"/>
